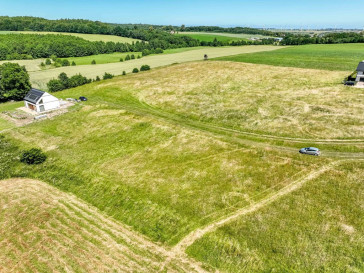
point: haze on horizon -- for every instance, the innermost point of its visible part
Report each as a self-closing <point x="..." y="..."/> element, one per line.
<point x="264" y="13"/>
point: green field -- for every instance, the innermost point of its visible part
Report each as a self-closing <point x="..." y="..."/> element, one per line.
<point x="102" y="58"/>
<point x="223" y="37"/>
<point x="115" y="57"/>
<point x="343" y="57"/>
<point x="39" y="79"/>
<point x="89" y="37"/>
<point x="199" y="161"/>
<point x="316" y="229"/>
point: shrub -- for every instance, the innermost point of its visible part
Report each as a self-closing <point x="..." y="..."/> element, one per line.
<point x="33" y="156"/>
<point x="73" y="63"/>
<point x="124" y="73"/>
<point x="135" y="70"/>
<point x="97" y="78"/>
<point x="48" y="61"/>
<point x="127" y="58"/>
<point x="145" y="52"/>
<point x="138" y="57"/>
<point x="108" y="76"/>
<point x="132" y="56"/>
<point x="121" y="59"/>
<point x="55" y="85"/>
<point x="65" y="62"/>
<point x="53" y="58"/>
<point x="93" y="62"/>
<point x="145" y="67"/>
<point x="42" y="64"/>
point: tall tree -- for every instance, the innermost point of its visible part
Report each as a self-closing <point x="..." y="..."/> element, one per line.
<point x="14" y="82"/>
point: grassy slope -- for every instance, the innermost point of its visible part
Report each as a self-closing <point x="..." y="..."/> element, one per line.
<point x="89" y="37"/>
<point x="317" y="229"/>
<point x="46" y="230"/>
<point x="40" y="78"/>
<point x="343" y="57"/>
<point x="157" y="177"/>
<point x="5" y="124"/>
<point x="240" y="96"/>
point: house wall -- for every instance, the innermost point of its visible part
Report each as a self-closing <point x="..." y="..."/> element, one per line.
<point x="49" y="102"/>
<point x="359" y="75"/>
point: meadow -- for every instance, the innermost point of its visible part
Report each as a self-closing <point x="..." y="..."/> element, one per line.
<point x="341" y="57"/>
<point x="318" y="228"/>
<point x="223" y="37"/>
<point x="198" y="158"/>
<point x="244" y="97"/>
<point x="89" y="37"/>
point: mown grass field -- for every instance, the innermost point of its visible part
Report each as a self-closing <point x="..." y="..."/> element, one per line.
<point x="115" y="57"/>
<point x="316" y="229"/>
<point x="102" y="58"/>
<point x="39" y="79"/>
<point x="341" y="57"/>
<point x="223" y="37"/>
<point x="89" y="37"/>
<point x="46" y="230"/>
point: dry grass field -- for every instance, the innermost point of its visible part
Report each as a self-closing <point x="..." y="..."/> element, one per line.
<point x="290" y="102"/>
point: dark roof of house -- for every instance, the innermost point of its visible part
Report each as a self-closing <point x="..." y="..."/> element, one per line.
<point x="360" y="66"/>
<point x="34" y="95"/>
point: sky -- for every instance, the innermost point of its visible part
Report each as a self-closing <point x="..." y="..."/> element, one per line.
<point x="261" y="13"/>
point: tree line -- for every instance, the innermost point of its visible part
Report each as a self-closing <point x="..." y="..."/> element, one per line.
<point x="28" y="46"/>
<point x="329" y="38"/>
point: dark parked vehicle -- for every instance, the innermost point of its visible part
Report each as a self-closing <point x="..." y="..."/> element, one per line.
<point x="310" y="151"/>
<point x="83" y="98"/>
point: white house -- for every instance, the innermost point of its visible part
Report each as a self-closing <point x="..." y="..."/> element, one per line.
<point x="360" y="75"/>
<point x="40" y="101"/>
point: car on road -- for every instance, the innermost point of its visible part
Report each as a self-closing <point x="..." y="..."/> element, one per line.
<point x="310" y="151"/>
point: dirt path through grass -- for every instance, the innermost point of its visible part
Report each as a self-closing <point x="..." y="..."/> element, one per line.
<point x="180" y="249"/>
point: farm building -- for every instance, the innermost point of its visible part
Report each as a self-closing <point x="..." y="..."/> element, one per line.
<point x="41" y="101"/>
<point x="360" y="74"/>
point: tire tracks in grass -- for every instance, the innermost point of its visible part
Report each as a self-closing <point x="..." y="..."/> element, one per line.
<point x="235" y="136"/>
<point x="179" y="250"/>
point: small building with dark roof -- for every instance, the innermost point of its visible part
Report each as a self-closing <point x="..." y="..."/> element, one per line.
<point x="360" y="75"/>
<point x="40" y="101"/>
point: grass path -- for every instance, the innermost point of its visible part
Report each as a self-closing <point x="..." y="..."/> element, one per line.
<point x="237" y="136"/>
<point x="180" y="248"/>
<point x="40" y="78"/>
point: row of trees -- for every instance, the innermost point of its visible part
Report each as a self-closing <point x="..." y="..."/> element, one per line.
<point x="64" y="82"/>
<point x="330" y="38"/>
<point x="27" y="46"/>
<point x="14" y="82"/>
